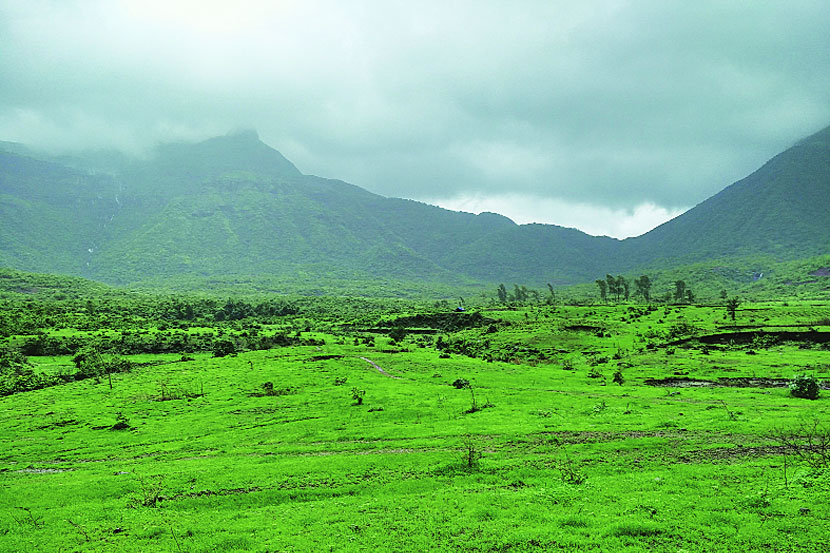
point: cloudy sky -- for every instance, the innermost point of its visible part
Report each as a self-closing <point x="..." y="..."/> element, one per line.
<point x="608" y="116"/>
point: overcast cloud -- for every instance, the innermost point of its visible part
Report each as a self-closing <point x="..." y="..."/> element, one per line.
<point x="608" y="116"/>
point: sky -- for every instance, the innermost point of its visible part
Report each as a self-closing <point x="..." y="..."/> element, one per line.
<point x="607" y="116"/>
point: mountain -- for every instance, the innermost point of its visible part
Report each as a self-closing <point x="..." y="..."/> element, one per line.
<point x="782" y="210"/>
<point x="233" y="206"/>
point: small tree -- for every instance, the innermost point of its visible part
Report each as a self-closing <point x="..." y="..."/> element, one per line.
<point x="732" y="307"/>
<point x="357" y="395"/>
<point x="501" y="291"/>
<point x="613" y="287"/>
<point x="679" y="291"/>
<point x="89" y="362"/>
<point x="472" y="453"/>
<point x="623" y="285"/>
<point x="552" y="297"/>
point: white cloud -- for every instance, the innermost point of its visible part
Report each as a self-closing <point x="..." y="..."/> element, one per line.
<point x="592" y="219"/>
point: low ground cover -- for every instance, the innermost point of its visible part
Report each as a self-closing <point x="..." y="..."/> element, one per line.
<point x="554" y="437"/>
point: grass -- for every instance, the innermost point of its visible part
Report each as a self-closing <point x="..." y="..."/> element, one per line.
<point x="560" y="461"/>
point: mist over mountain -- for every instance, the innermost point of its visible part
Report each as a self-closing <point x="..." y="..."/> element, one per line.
<point x="231" y="205"/>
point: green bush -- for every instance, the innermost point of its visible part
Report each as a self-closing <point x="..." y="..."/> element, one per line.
<point x="224" y="347"/>
<point x="804" y="385"/>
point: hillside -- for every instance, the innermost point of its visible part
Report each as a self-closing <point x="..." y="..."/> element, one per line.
<point x="782" y="210"/>
<point x="232" y="206"/>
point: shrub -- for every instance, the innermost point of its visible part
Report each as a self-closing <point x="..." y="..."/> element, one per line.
<point x="461" y="383"/>
<point x="269" y="390"/>
<point x="472" y="453"/>
<point x="223" y="347"/>
<point x="150" y="491"/>
<point x="809" y="442"/>
<point x="398" y="333"/>
<point x="570" y="472"/>
<point x="358" y="395"/>
<point x="121" y="422"/>
<point x="804" y="385"/>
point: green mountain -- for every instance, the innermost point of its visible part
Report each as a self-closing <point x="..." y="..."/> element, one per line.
<point x="233" y="207"/>
<point x="781" y="210"/>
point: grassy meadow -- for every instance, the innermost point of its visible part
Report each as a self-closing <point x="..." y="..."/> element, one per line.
<point x="526" y="428"/>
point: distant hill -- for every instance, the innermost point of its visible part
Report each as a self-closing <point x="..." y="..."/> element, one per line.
<point x="232" y="206"/>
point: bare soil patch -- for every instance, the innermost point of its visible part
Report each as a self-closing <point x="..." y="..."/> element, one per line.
<point x="724" y="382"/>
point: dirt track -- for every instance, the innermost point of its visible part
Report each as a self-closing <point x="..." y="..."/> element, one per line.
<point x="380" y="370"/>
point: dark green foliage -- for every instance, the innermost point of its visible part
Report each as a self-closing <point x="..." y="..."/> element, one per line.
<point x="603" y="289"/>
<point x="224" y="347"/>
<point x="805" y="386"/>
<point x="460" y="383"/>
<point x="643" y="287"/>
<point x="732" y="307"/>
<point x="358" y="395"/>
<point x="398" y="333"/>
<point x="17" y="375"/>
<point x="446" y="322"/>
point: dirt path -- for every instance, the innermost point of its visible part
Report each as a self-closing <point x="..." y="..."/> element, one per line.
<point x="381" y="371"/>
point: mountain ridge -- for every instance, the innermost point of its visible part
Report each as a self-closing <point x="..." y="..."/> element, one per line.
<point x="232" y="205"/>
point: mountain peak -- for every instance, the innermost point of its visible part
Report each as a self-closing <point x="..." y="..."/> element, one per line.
<point x="240" y="150"/>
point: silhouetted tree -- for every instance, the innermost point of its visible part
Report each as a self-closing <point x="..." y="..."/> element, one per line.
<point x="519" y="293"/>
<point x="679" y="291"/>
<point x="502" y="293"/>
<point x="603" y="289"/>
<point x="642" y="287"/>
<point x="552" y="296"/>
<point x="612" y="287"/>
<point x="732" y="307"/>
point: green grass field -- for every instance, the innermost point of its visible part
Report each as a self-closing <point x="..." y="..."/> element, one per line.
<point x="545" y="450"/>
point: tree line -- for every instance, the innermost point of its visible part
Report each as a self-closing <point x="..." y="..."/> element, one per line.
<point x="618" y="288"/>
<point x="522" y="294"/>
